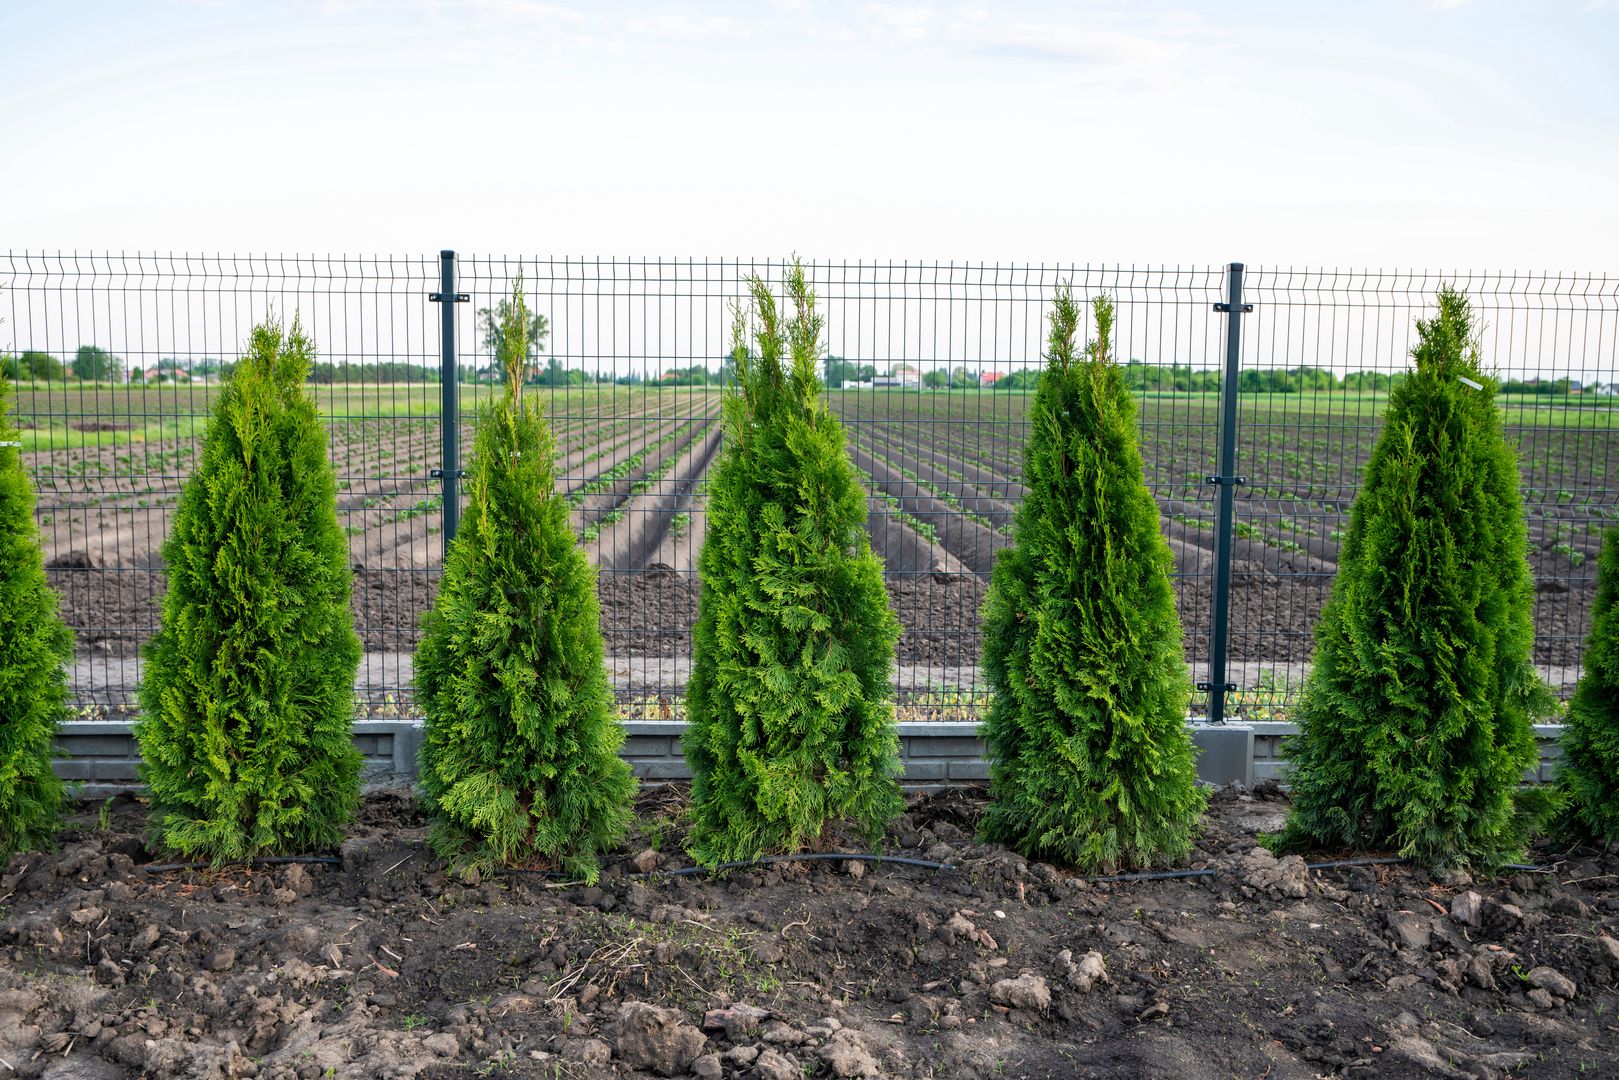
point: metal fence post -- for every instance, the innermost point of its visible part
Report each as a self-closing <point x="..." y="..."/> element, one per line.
<point x="1226" y="481"/>
<point x="449" y="385"/>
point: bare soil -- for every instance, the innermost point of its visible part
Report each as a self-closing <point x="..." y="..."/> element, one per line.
<point x="385" y="967"/>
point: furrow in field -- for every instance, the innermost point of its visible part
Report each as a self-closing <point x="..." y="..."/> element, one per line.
<point x="600" y="503"/>
<point x="970" y="543"/>
<point x="1003" y="482"/>
<point x="594" y="476"/>
<point x="403" y="516"/>
<point x="643" y="525"/>
<point x="946" y="484"/>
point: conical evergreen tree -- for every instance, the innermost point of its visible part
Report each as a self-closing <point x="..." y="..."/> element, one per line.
<point x="790" y="700"/>
<point x="1090" y="759"/>
<point x="1589" y="778"/>
<point x="248" y="697"/>
<point x="1416" y="720"/>
<point x="520" y="755"/>
<point x="34" y="646"/>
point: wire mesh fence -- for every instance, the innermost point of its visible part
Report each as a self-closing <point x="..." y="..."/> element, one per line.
<point x="929" y="365"/>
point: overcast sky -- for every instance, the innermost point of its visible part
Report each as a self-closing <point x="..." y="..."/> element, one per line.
<point x="1444" y="134"/>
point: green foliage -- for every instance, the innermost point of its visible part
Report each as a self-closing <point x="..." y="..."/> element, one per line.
<point x="520" y="756"/>
<point x="94" y="363"/>
<point x="248" y="694"/>
<point x="34" y="646"/>
<point x="790" y="709"/>
<point x="1416" y="717"/>
<point x="1589" y="778"/>
<point x="31" y="365"/>
<point x="1090" y="759"/>
<point x="495" y="323"/>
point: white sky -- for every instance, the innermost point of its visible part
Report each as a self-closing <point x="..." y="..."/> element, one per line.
<point x="1446" y="134"/>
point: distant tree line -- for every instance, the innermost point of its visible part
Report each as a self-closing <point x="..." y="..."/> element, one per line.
<point x="91" y="363"/>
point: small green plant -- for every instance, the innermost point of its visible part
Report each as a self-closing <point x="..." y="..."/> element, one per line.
<point x="519" y="756"/>
<point x="790" y="700"/>
<point x="248" y="693"/>
<point x="412" y="1021"/>
<point x="1090" y="759"/>
<point x="1266" y="700"/>
<point x="34" y="647"/>
<point x="1416" y="717"/>
<point x="1567" y="551"/>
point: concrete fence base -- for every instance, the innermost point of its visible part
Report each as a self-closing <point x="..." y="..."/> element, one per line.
<point x="101" y="756"/>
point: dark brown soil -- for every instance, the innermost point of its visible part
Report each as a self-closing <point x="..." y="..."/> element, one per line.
<point x="651" y="613"/>
<point x="384" y="966"/>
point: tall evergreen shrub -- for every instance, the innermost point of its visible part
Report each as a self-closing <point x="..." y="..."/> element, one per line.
<point x="1589" y="778"/>
<point x="520" y="755"/>
<point x="34" y="646"/>
<point x="790" y="702"/>
<point x="1090" y="760"/>
<point x="248" y="694"/>
<point x="1415" y="722"/>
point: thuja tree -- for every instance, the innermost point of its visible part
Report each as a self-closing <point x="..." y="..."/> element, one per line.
<point x="519" y="761"/>
<point x="1091" y="763"/>
<point x="790" y="701"/>
<point x="248" y="692"/>
<point x="1589" y="778"/>
<point x="1416" y="720"/>
<point x="34" y="646"/>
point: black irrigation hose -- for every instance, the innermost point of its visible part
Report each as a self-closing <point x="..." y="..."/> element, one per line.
<point x="1151" y="875"/>
<point x="1334" y="864"/>
<point x="826" y="856"/>
<point x="767" y="860"/>
<point x="267" y="860"/>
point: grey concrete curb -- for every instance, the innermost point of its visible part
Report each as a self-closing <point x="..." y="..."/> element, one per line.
<point x="101" y="756"/>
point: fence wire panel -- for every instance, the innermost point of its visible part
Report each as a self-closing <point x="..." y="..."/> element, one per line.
<point x="121" y="361"/>
<point x="1321" y="350"/>
<point x="930" y="366"/>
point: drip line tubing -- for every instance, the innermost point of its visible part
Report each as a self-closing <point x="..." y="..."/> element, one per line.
<point x="267" y="860"/>
<point x="767" y="860"/>
<point x="1332" y="864"/>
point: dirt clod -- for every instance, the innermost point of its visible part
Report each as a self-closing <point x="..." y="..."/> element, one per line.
<point x="1468" y="908"/>
<point x="738" y="1021"/>
<point x="649" y="1037"/>
<point x="442" y="1044"/>
<point x="1027" y="991"/>
<point x="846" y="1054"/>
<point x="773" y="1065"/>
<point x="1084" y="973"/>
<point x="1264" y="873"/>
<point x="1552" y="981"/>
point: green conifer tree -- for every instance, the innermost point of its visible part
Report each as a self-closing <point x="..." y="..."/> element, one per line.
<point x="520" y="755"/>
<point x="1588" y="780"/>
<point x="1416" y="719"/>
<point x="34" y="646"/>
<point x="1091" y="763"/>
<point x="248" y="696"/>
<point x="790" y="699"/>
